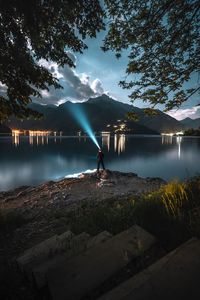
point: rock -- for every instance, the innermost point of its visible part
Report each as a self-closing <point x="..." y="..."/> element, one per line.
<point x="105" y="174"/>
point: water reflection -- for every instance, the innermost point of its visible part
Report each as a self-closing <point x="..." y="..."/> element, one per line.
<point x="106" y="140"/>
<point x="119" y="143"/>
<point x="15" y="137"/>
<point x="167" y="139"/>
<point x="146" y="156"/>
<point x="38" y="137"/>
<point x="178" y="141"/>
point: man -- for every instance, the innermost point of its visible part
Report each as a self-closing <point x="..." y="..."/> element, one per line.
<point x="100" y="157"/>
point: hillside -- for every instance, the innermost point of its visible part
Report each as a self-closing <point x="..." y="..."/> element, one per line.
<point x="4" y="129"/>
<point x="101" y="112"/>
<point x="191" y="123"/>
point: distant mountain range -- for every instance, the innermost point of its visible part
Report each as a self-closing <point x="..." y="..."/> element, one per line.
<point x="190" y="123"/>
<point x="104" y="113"/>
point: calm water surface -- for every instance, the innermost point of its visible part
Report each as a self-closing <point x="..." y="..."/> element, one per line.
<point x="33" y="160"/>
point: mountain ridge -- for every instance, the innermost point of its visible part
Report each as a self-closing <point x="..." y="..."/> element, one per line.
<point x="191" y="123"/>
<point x="101" y="112"/>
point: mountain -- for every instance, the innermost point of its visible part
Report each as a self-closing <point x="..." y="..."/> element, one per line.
<point x="5" y="129"/>
<point x="161" y="122"/>
<point x="101" y="112"/>
<point x="191" y="123"/>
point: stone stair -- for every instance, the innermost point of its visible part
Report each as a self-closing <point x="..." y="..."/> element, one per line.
<point x="43" y="251"/>
<point x="88" y="270"/>
<point x="76" y="264"/>
<point x="69" y="266"/>
<point x="176" y="276"/>
<point x="38" y="260"/>
<point x="79" y="244"/>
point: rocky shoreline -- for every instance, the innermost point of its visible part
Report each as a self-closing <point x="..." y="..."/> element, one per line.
<point x="70" y="191"/>
<point x="37" y="206"/>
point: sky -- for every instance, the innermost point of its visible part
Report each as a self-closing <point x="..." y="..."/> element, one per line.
<point x="96" y="73"/>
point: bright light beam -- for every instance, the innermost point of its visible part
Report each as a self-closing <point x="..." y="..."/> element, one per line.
<point x="81" y="118"/>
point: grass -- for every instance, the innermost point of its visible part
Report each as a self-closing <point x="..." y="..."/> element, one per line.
<point x="170" y="213"/>
<point x="11" y="220"/>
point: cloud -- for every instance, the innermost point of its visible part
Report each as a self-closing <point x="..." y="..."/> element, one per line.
<point x="3" y="89"/>
<point x="97" y="87"/>
<point x="82" y="90"/>
<point x="76" y="87"/>
<point x="180" y="114"/>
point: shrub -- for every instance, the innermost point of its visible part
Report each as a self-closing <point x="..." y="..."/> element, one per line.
<point x="11" y="220"/>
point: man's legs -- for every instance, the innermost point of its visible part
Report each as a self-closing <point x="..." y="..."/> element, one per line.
<point x="98" y="165"/>
<point x="102" y="163"/>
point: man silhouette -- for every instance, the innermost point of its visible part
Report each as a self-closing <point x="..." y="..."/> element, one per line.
<point x="100" y="157"/>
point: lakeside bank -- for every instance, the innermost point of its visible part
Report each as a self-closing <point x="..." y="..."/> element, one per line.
<point x="113" y="201"/>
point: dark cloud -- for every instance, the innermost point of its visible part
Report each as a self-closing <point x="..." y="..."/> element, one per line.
<point x="82" y="89"/>
<point x="76" y="87"/>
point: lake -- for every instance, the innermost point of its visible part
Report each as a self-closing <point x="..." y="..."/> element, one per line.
<point x="26" y="160"/>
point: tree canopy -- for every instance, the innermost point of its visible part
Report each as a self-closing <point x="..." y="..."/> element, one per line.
<point x="39" y="29"/>
<point x="162" y="37"/>
<point x="163" y="40"/>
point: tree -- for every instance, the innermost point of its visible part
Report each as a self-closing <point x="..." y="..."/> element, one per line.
<point x="163" y="37"/>
<point x="39" y="29"/>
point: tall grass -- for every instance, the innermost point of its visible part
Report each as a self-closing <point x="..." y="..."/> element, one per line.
<point x="166" y="213"/>
<point x="174" y="197"/>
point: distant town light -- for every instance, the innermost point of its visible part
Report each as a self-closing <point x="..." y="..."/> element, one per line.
<point x="173" y="133"/>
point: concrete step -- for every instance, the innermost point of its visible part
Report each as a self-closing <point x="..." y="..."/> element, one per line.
<point x="176" y="276"/>
<point x="78" y="244"/>
<point x="85" y="272"/>
<point x="44" y="250"/>
<point x="99" y="238"/>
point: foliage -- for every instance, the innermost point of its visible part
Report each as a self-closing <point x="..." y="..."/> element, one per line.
<point x="132" y="116"/>
<point x="10" y="220"/>
<point x="192" y="132"/>
<point x="170" y="213"/>
<point x="161" y="35"/>
<point x="164" y="44"/>
<point x="34" y="30"/>
<point x="174" y="197"/>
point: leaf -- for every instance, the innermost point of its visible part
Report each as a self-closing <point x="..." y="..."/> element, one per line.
<point x="132" y="116"/>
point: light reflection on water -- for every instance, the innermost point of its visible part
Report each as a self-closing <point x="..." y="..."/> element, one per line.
<point x="30" y="160"/>
<point x="42" y="138"/>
